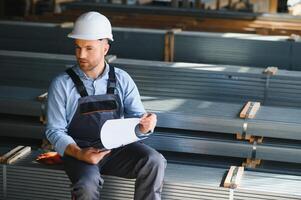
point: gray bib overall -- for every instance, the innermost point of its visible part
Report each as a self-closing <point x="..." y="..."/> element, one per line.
<point x="92" y="112"/>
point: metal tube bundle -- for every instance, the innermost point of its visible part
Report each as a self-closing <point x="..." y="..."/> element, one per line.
<point x="150" y="44"/>
<point x="181" y="80"/>
<point x="177" y="93"/>
<point x="29" y="180"/>
<point x="187" y="124"/>
<point x="191" y="126"/>
<point x="184" y="122"/>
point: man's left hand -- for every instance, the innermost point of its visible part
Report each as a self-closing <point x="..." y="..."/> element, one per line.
<point x="148" y="122"/>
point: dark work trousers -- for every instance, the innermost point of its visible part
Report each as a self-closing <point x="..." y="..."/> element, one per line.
<point x="135" y="160"/>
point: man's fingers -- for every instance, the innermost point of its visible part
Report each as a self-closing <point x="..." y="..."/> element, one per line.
<point x="149" y="120"/>
<point x="144" y="116"/>
<point x="148" y="117"/>
<point x="99" y="151"/>
<point x="106" y="152"/>
<point x="148" y="125"/>
<point x="92" y="150"/>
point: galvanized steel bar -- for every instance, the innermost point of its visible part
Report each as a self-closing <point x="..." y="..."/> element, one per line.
<point x="148" y="44"/>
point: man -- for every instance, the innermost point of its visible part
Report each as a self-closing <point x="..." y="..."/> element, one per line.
<point x="81" y="99"/>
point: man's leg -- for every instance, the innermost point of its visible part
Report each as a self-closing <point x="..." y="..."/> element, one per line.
<point x="85" y="178"/>
<point x="138" y="161"/>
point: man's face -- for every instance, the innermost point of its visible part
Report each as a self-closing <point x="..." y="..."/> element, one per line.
<point x="90" y="53"/>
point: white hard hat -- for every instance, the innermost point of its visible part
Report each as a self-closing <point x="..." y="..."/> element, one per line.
<point x="92" y="26"/>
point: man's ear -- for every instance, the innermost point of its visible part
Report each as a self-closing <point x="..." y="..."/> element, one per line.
<point x="106" y="48"/>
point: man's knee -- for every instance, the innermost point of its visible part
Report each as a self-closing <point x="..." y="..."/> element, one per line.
<point x="155" y="161"/>
<point x="87" y="188"/>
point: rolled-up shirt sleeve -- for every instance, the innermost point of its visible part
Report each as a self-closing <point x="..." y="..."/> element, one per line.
<point x="56" y="129"/>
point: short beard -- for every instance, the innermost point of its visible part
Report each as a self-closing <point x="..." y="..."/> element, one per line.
<point x="87" y="68"/>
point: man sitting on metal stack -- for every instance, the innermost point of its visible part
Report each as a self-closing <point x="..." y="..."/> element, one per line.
<point x="81" y="100"/>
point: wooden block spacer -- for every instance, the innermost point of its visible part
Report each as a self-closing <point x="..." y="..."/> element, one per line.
<point x="251" y="163"/>
<point x="233" y="177"/>
<point x="250" y="138"/>
<point x="270" y="70"/>
<point x="169" y="43"/>
<point x="42" y="99"/>
<point x="15" y="154"/>
<point x="249" y="110"/>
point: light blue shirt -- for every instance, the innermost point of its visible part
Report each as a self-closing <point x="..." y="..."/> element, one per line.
<point x="63" y="100"/>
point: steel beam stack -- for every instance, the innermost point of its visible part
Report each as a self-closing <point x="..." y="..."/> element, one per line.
<point x="222" y="83"/>
<point x="149" y="44"/>
<point x="181" y="182"/>
<point x="2" y="183"/>
<point x="171" y="88"/>
<point x="198" y="108"/>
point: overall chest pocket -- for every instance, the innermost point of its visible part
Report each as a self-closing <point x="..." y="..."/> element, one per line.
<point x="98" y="106"/>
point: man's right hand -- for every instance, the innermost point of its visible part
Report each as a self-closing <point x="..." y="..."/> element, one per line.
<point x="90" y="155"/>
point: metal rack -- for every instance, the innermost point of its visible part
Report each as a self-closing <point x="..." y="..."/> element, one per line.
<point x="149" y="44"/>
<point x="187" y="124"/>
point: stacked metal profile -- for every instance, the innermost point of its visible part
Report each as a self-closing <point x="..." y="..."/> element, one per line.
<point x="296" y="60"/>
<point x="185" y="125"/>
<point x="20" y="111"/>
<point x="179" y="123"/>
<point x="58" y="186"/>
<point x="1" y="183"/>
<point x="233" y="49"/>
<point x="135" y="43"/>
<point x="18" y="100"/>
<point x="195" y="81"/>
<point x="214" y="82"/>
<point x="285" y="184"/>
<point x="149" y="44"/>
<point x="283" y="88"/>
<point x="52" y="38"/>
<point x="183" y="80"/>
<point x="29" y="36"/>
<point x="181" y="182"/>
<point x="188" y="117"/>
<point x="42" y="67"/>
<point x="220" y="117"/>
<point x="34" y="70"/>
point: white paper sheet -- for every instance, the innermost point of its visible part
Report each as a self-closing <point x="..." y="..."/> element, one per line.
<point x="119" y="132"/>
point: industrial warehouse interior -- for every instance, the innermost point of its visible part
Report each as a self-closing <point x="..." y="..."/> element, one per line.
<point x="222" y="76"/>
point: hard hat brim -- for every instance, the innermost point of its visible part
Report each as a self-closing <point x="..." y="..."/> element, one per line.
<point x="89" y="37"/>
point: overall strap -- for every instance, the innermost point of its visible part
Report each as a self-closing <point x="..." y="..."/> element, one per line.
<point x="112" y="81"/>
<point x="77" y="82"/>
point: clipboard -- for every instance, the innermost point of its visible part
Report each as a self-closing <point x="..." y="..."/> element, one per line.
<point x="119" y="132"/>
